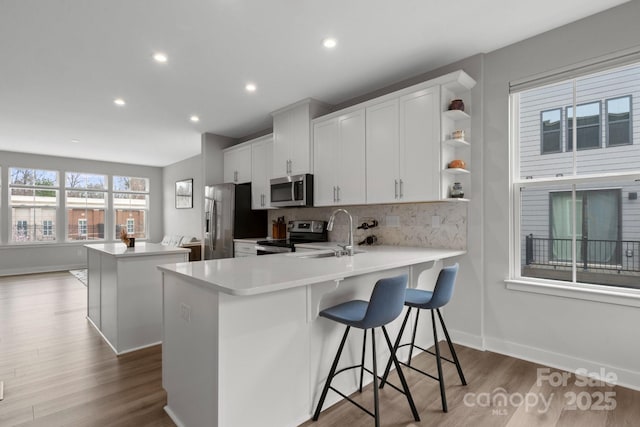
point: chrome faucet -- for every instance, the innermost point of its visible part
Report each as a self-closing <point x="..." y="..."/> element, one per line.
<point x="349" y="246"/>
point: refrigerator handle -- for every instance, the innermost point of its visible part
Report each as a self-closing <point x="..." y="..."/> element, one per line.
<point x="214" y="219"/>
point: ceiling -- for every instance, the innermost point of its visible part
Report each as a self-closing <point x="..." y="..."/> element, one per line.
<point x="63" y="62"/>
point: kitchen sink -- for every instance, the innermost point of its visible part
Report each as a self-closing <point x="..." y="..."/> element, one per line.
<point x="323" y="254"/>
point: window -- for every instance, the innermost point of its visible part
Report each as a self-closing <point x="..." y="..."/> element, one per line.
<point x="82" y="227"/>
<point x="131" y="205"/>
<point x="85" y="202"/>
<point x="33" y="199"/>
<point x="576" y="212"/>
<point x="619" y="121"/>
<point x="551" y="135"/>
<point x="47" y="228"/>
<point x="588" y="125"/>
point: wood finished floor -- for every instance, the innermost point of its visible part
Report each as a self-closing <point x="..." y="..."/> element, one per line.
<point x="58" y="371"/>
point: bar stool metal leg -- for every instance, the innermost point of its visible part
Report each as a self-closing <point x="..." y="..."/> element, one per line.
<point x="364" y="349"/>
<point x="376" y="404"/>
<point x="395" y="348"/>
<point x="332" y="371"/>
<point x="403" y="380"/>
<point x="439" y="363"/>
<point x="413" y="337"/>
<point x="452" y="350"/>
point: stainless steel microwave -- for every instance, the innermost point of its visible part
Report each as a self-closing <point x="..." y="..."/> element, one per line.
<point x="295" y="190"/>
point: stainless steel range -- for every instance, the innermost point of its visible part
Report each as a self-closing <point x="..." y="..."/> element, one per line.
<point x="300" y="231"/>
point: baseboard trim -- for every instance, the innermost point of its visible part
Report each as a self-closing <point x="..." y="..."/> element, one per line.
<point x="626" y="377"/>
<point x="36" y="270"/>
<point x="173" y="416"/>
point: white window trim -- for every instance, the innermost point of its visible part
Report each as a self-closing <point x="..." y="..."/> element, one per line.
<point x="575" y="290"/>
<point x="583" y="291"/>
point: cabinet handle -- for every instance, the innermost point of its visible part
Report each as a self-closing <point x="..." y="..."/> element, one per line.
<point x="401" y="195"/>
<point x="338" y="188"/>
<point x="334" y="194"/>
<point x="396" y="188"/>
<point x="235" y="176"/>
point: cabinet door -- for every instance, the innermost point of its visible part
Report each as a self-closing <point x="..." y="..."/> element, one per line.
<point x="382" y="152"/>
<point x="261" y="153"/>
<point x="351" y="164"/>
<point x="325" y="161"/>
<point x="281" y="141"/>
<point x="237" y="165"/>
<point x="229" y="166"/>
<point x="420" y="146"/>
<point x="299" y="145"/>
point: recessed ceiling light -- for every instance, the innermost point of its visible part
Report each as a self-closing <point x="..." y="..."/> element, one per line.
<point x="75" y="141"/>
<point x="194" y="119"/>
<point x="329" y="42"/>
<point x="250" y="87"/>
<point x="119" y="101"/>
<point x="160" y="57"/>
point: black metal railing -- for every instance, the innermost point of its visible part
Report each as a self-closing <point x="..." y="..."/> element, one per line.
<point x="618" y="255"/>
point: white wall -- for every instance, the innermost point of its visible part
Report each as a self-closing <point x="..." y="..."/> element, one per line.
<point x="562" y="332"/>
<point x="33" y="258"/>
<point x="184" y="222"/>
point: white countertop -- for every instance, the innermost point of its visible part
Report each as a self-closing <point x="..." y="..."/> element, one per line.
<point x="269" y="273"/>
<point x="140" y="249"/>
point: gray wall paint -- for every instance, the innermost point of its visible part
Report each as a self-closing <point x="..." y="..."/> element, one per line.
<point x="558" y="331"/>
<point x="185" y="222"/>
<point x="19" y="259"/>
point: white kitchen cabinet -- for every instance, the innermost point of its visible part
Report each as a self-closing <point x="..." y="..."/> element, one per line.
<point x="403" y="149"/>
<point x="339" y="160"/>
<point x="292" y="147"/>
<point x="261" y="161"/>
<point x="237" y="164"/>
<point x="419" y="127"/>
<point x="383" y="151"/>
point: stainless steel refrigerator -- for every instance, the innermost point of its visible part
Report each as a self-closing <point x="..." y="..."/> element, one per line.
<point x="227" y="216"/>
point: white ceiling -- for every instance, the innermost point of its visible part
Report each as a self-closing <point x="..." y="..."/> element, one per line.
<point x="62" y="63"/>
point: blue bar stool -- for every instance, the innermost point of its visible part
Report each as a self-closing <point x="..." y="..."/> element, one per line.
<point x="428" y="300"/>
<point x="385" y="305"/>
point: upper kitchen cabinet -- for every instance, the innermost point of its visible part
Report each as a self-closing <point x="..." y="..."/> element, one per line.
<point x="237" y="164"/>
<point x="339" y="159"/>
<point x="261" y="153"/>
<point x="382" y="152"/>
<point x="292" y="145"/>
<point x="403" y="148"/>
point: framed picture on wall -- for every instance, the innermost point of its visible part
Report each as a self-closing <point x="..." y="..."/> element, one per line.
<point x="184" y="194"/>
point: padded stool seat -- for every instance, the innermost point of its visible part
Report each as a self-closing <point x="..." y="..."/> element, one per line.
<point x="385" y="305"/>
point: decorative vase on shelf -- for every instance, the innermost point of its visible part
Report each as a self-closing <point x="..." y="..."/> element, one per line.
<point x="456" y="191"/>
<point x="456" y="104"/>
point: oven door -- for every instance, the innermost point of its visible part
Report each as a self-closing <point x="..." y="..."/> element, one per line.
<point x="272" y="250"/>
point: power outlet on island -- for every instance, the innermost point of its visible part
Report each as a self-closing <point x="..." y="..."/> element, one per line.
<point x="185" y="312"/>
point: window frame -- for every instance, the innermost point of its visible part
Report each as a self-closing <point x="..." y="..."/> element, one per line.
<point x="575" y="181"/>
<point x="115" y="208"/>
<point x="569" y="129"/>
<point x="543" y="133"/>
<point x="31" y="205"/>
<point x="85" y="189"/>
<point x="607" y="122"/>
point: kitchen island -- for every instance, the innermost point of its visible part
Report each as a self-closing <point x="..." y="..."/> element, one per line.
<point x="242" y="340"/>
<point x="124" y="298"/>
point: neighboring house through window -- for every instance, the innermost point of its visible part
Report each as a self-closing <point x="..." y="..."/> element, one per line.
<point x="575" y="194"/>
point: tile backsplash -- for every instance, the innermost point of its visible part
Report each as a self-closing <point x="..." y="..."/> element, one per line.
<point x="437" y="225"/>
